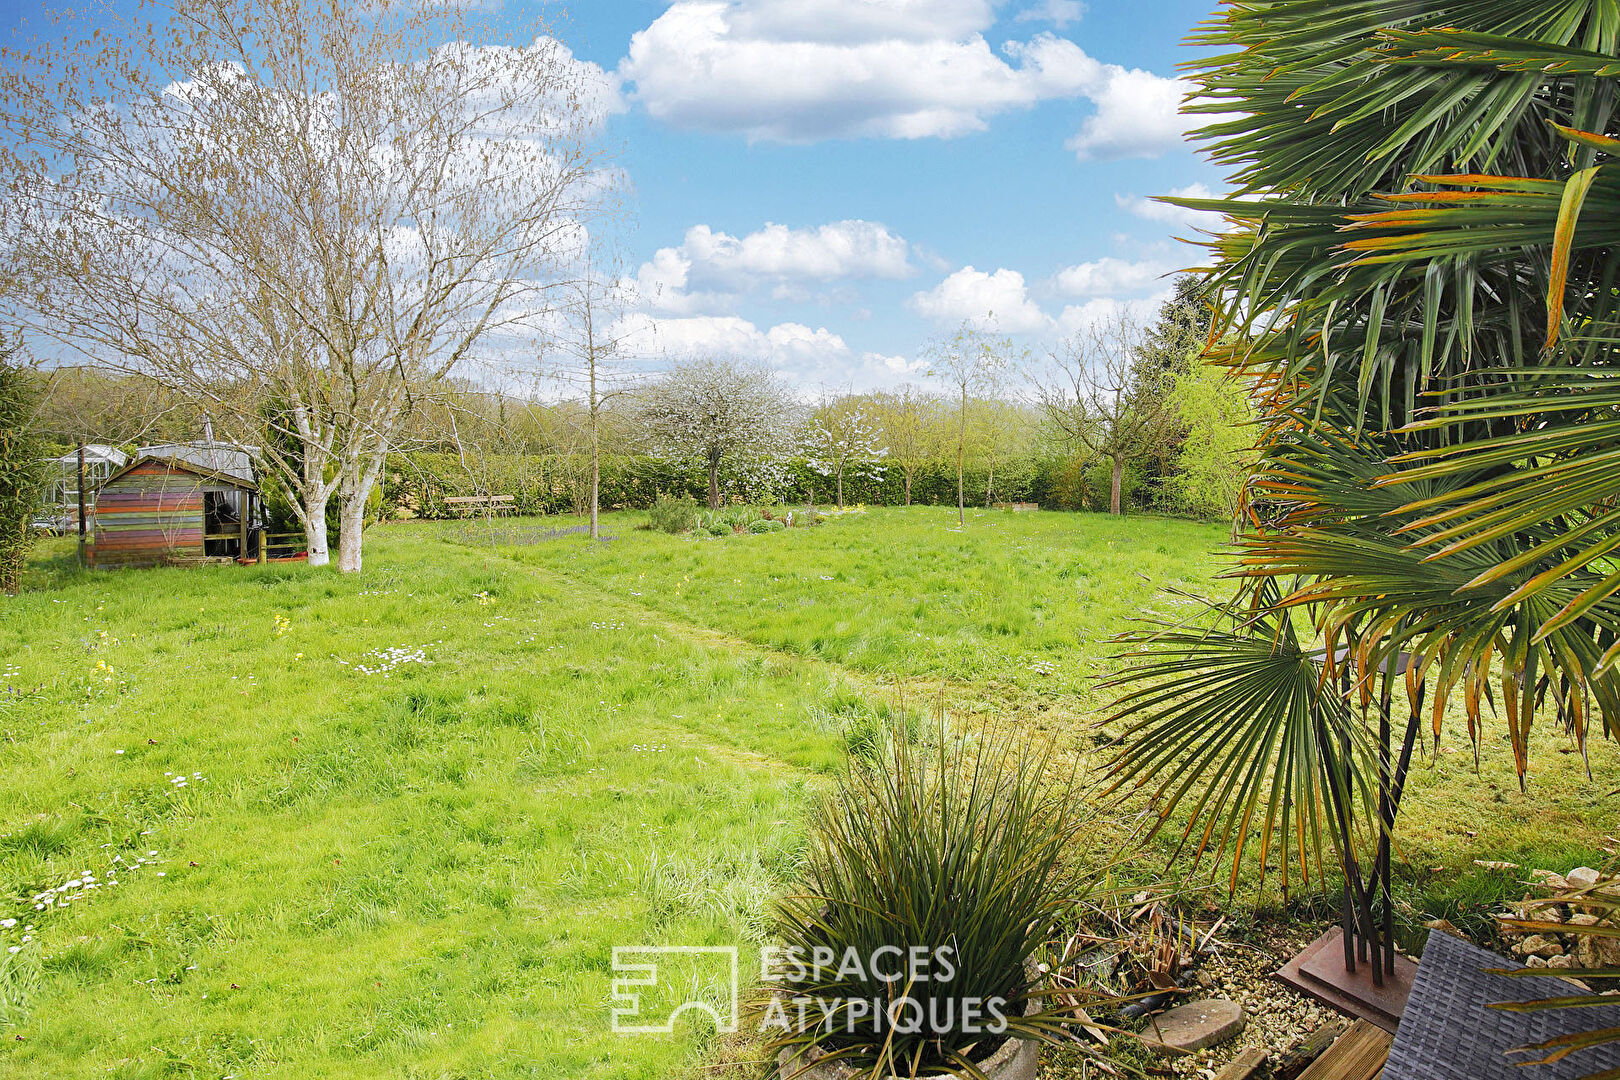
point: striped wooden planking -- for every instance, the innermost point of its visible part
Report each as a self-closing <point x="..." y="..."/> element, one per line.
<point x="138" y="504"/>
<point x="149" y="514"/>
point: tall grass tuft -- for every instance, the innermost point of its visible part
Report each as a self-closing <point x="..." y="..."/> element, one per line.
<point x="673" y="515"/>
<point x="957" y="848"/>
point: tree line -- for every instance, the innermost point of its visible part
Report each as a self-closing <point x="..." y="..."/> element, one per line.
<point x="1117" y="419"/>
<point x="331" y="231"/>
<point x="1120" y="416"/>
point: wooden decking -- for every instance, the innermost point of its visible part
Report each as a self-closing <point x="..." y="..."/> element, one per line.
<point x="1358" y="1054"/>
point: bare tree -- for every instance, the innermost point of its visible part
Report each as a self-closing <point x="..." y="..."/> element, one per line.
<point x="841" y="435"/>
<point x="973" y="362"/>
<point x="589" y="351"/>
<point x="909" y="419"/>
<point x="713" y="411"/>
<point x="1091" y="390"/>
<point x="301" y="215"/>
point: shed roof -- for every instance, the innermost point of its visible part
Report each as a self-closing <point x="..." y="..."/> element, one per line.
<point x="177" y="464"/>
<point x="214" y="457"/>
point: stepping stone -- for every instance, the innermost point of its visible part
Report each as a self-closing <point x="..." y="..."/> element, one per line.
<point x="1194" y="1025"/>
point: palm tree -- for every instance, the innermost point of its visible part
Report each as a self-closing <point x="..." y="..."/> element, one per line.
<point x="1417" y="280"/>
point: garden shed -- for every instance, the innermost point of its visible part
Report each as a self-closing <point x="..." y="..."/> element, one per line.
<point x="177" y="503"/>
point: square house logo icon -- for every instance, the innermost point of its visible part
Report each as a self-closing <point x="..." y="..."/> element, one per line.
<point x="655" y="984"/>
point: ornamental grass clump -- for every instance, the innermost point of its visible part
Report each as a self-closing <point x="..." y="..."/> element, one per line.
<point x="673" y="515"/>
<point x="935" y="872"/>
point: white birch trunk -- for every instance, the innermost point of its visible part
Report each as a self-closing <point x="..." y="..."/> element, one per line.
<point x="314" y="522"/>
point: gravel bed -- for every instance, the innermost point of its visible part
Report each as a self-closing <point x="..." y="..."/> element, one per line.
<point x="1241" y="971"/>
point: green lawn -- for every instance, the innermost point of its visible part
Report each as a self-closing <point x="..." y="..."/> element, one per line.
<point x="1014" y="613"/>
<point x="415" y="872"/>
<point x="420" y="806"/>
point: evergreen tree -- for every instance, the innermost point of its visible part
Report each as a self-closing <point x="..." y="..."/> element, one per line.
<point x="21" y="466"/>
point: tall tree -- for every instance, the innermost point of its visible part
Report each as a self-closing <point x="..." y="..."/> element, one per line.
<point x="1003" y="431"/>
<point x="87" y="404"/>
<point x="972" y="362"/>
<point x="1216" y="453"/>
<point x="1170" y="341"/>
<point x="1094" y="391"/>
<point x="715" y="411"/>
<point x="1180" y="328"/>
<point x="302" y="215"/>
<point x="588" y="351"/>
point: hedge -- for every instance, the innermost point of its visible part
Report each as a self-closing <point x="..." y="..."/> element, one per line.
<point x="419" y="483"/>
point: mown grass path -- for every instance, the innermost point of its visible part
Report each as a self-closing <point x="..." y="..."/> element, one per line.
<point x="1013" y="616"/>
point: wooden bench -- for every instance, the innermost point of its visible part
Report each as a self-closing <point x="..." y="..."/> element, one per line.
<point x="486" y="504"/>
<point x="1016" y="506"/>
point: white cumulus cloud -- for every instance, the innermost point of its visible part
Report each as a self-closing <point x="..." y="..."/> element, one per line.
<point x="1182" y="219"/>
<point x="710" y="268"/>
<point x="842" y="249"/>
<point x="804" y="70"/>
<point x="1077" y="318"/>
<point x="1138" y="115"/>
<point x="1110" y="276"/>
<point x="843" y="21"/>
<point x="899" y="365"/>
<point x="998" y="301"/>
<point x="788" y="345"/>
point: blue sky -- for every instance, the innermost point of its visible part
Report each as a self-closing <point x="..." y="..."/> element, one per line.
<point x="825" y="185"/>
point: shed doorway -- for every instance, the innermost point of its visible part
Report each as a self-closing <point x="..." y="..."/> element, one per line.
<point x="222" y="524"/>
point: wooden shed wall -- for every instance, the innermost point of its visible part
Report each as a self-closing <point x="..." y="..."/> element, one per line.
<point x="147" y="515"/>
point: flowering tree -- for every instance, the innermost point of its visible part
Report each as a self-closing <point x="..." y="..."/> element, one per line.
<point x="841" y="436"/>
<point x="303" y="216"/>
<point x="716" y="412"/>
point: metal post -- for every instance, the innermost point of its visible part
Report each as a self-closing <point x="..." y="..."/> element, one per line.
<point x="1348" y="912"/>
<point x="82" y="525"/>
<point x="1386" y="822"/>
